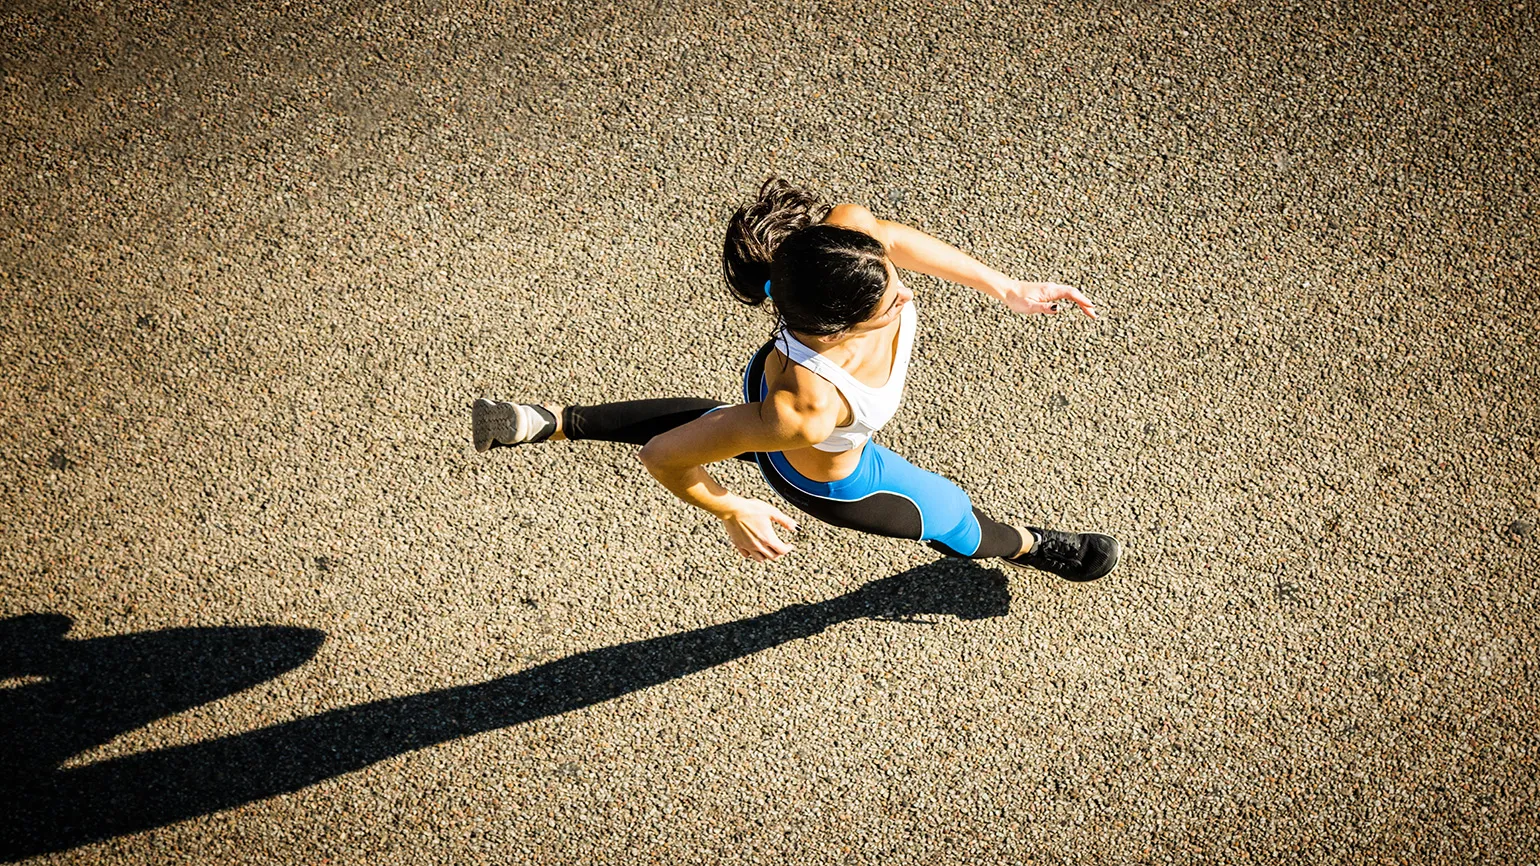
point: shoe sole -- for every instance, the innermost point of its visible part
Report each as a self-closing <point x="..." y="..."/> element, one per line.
<point x="493" y="422"/>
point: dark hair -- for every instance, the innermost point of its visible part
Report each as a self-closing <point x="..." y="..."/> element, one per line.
<point x="823" y="278"/>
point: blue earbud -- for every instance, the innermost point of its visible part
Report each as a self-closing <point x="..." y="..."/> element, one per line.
<point x="767" y="288"/>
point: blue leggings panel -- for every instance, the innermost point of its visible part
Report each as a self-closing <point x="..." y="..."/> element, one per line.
<point x="945" y="512"/>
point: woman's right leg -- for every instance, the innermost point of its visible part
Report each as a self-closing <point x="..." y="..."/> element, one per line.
<point x="634" y="422"/>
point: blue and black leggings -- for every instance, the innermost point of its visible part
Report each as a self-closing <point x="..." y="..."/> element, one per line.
<point x="886" y="495"/>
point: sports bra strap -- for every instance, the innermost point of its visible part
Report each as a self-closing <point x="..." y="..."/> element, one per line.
<point x="870" y="407"/>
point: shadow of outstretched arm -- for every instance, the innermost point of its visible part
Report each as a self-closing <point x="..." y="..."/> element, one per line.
<point x="63" y="808"/>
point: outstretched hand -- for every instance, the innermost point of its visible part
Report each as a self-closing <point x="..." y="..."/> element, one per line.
<point x="1028" y="298"/>
<point x="751" y="526"/>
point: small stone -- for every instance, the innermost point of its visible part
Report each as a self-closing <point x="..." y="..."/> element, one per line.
<point x="1521" y="528"/>
<point x="59" y="461"/>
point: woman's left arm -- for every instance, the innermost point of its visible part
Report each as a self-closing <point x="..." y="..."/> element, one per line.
<point x="914" y="250"/>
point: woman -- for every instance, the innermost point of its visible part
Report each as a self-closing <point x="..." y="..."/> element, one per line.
<point x="815" y="393"/>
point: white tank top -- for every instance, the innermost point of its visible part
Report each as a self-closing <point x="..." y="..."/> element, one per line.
<point x="872" y="407"/>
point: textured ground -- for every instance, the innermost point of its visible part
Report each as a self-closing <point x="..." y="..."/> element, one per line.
<point x="262" y="602"/>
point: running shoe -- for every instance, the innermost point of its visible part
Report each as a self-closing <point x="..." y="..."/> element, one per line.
<point x="496" y="423"/>
<point x="1077" y="556"/>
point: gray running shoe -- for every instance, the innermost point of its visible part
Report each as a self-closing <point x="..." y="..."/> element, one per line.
<point x="495" y="423"/>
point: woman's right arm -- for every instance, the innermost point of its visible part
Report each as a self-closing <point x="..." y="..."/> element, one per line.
<point x="785" y="422"/>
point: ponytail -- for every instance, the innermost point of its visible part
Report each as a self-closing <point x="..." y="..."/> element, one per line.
<point x="755" y="232"/>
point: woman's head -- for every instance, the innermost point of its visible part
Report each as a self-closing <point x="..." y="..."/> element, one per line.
<point x="824" y="279"/>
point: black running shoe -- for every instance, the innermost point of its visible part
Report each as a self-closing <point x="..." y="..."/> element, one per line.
<point x="496" y="423"/>
<point x="1074" y="556"/>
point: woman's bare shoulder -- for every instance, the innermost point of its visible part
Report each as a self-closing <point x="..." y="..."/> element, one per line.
<point x="800" y="390"/>
<point x="854" y="216"/>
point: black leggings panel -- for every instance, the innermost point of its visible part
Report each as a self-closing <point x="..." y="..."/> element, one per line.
<point x="635" y="421"/>
<point x="893" y="516"/>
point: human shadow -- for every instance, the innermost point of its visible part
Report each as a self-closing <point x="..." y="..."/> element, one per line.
<point x="94" y="689"/>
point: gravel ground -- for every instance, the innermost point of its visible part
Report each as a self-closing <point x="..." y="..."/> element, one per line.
<point x="262" y="602"/>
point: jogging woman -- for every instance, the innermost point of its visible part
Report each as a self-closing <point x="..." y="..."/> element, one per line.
<point x="829" y="378"/>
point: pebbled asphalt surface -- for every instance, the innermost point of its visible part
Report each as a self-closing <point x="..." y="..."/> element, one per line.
<point x="260" y="601"/>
